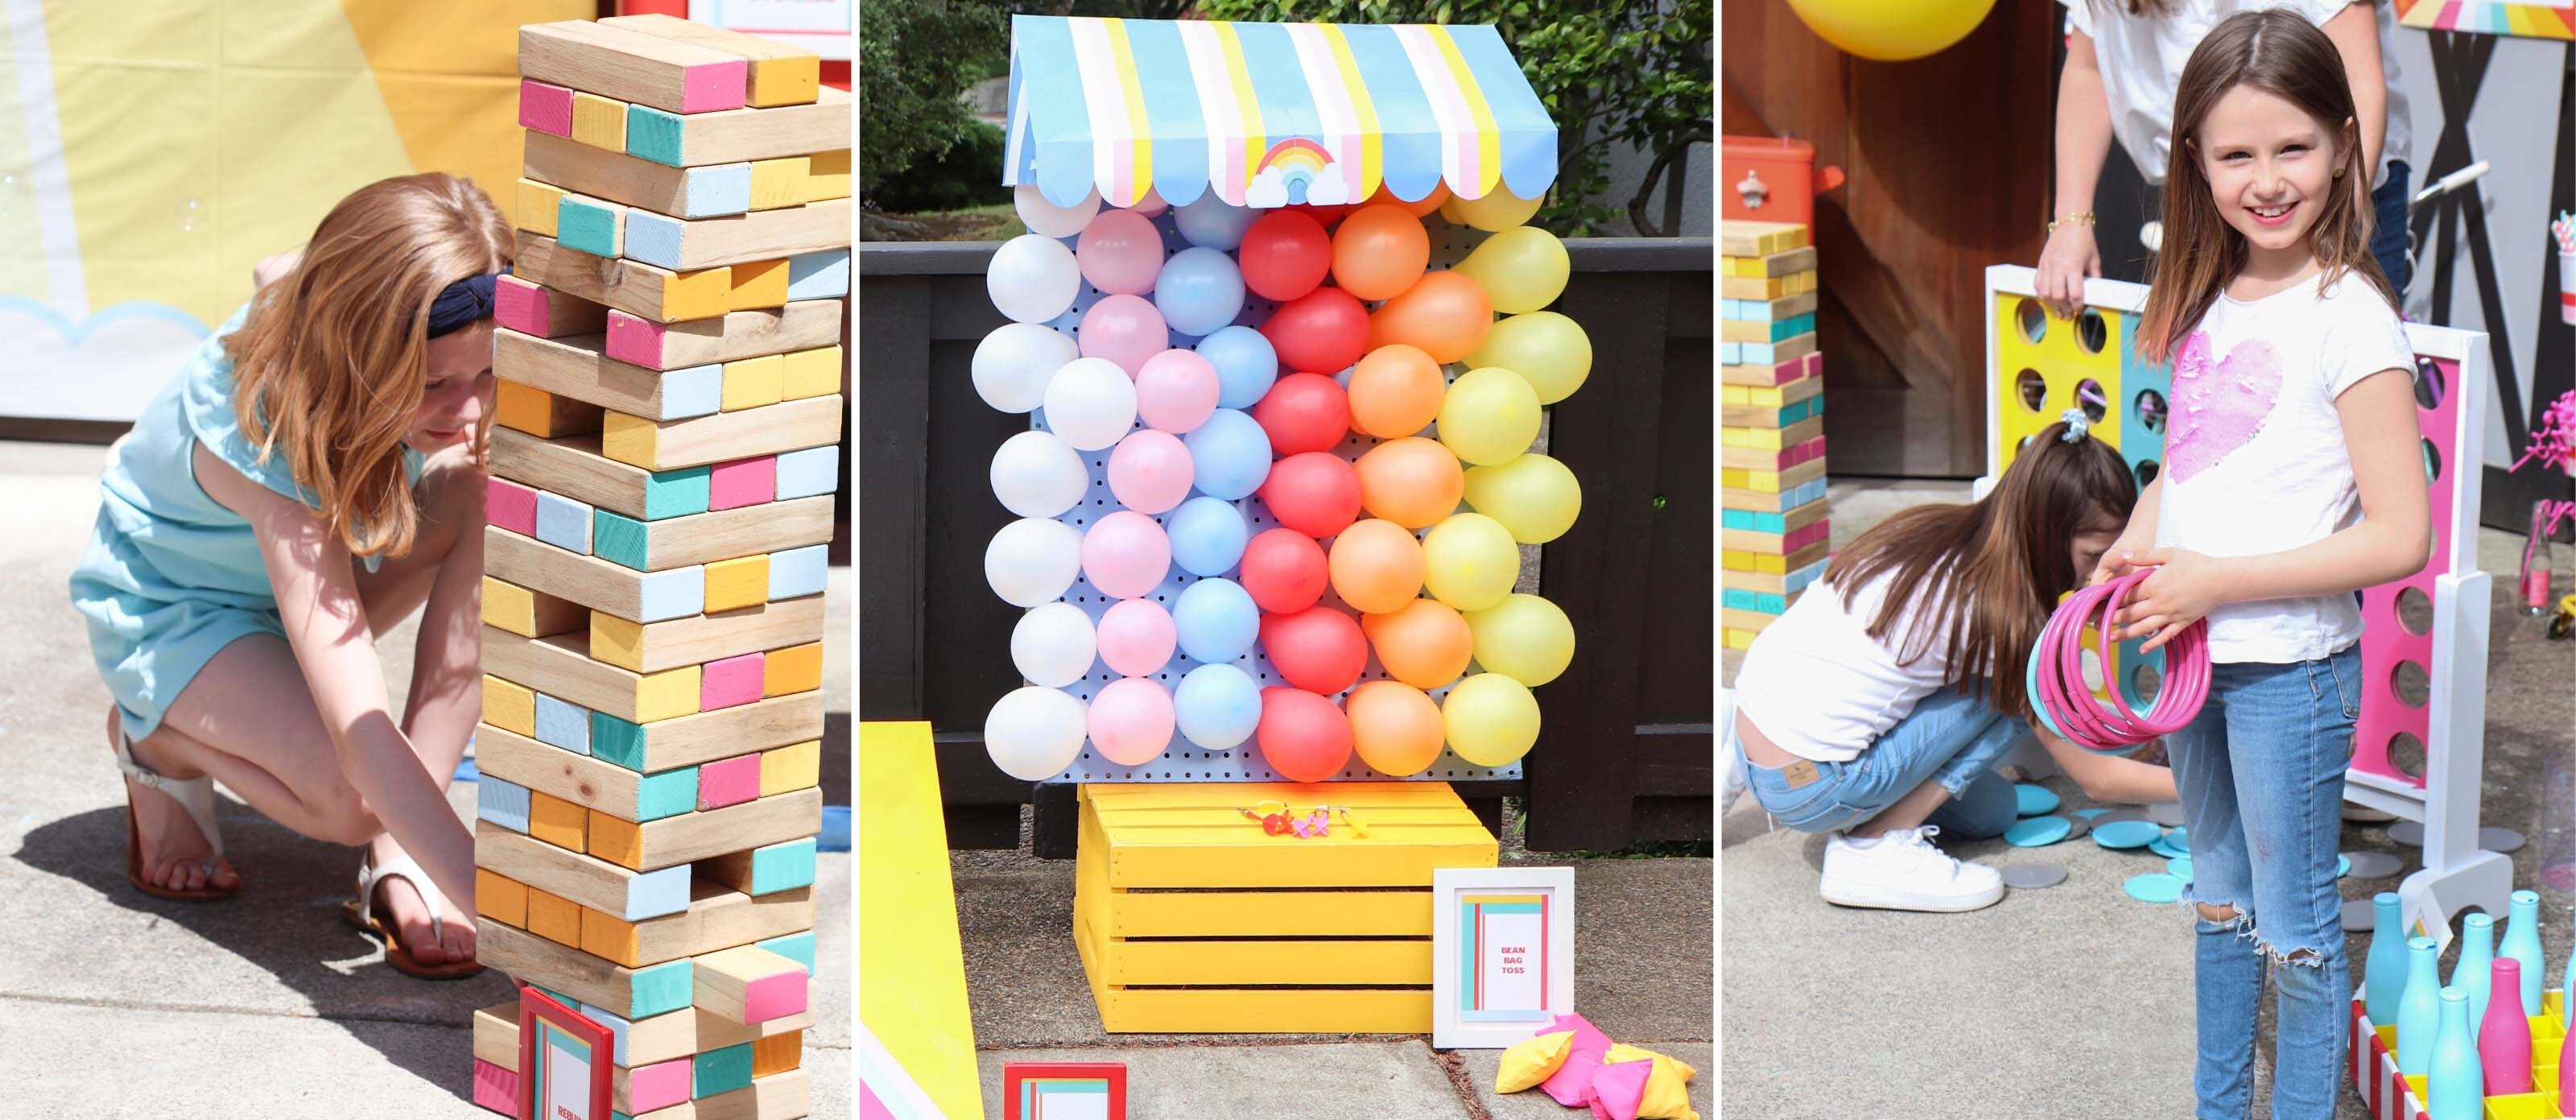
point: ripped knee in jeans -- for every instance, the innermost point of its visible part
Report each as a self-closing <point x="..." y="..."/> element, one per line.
<point x="2220" y="917"/>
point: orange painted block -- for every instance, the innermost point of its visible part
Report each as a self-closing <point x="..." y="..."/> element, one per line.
<point x="526" y="408"/>
<point x="560" y="823"/>
<point x="618" y="841"/>
<point x="791" y="670"/>
<point x="501" y="898"/>
<point x="777" y="1053"/>
<point x="554" y="917"/>
<point x="760" y="284"/>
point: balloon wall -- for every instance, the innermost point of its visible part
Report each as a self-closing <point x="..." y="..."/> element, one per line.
<point x="1275" y="485"/>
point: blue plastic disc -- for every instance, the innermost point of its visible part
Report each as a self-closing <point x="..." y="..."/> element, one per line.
<point x="2089" y="814"/>
<point x="2179" y="867"/>
<point x="2164" y="847"/>
<point x="2126" y="834"/>
<point x="2158" y="887"/>
<point x="2343" y="866"/>
<point x="2032" y="800"/>
<point x="2038" y="831"/>
<point x="2179" y="837"/>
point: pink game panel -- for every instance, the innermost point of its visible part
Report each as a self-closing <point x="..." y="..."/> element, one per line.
<point x="2386" y="643"/>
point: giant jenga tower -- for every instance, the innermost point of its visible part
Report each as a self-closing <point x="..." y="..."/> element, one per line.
<point x="1772" y="497"/>
<point x="664" y="461"/>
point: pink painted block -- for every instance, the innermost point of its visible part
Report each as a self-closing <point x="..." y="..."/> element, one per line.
<point x="634" y="339"/>
<point x="520" y="306"/>
<point x="774" y="997"/>
<point x="743" y="482"/>
<point x="729" y="782"/>
<point x="659" y="1085"/>
<point x="511" y="506"/>
<point x="713" y="86"/>
<point x="734" y="680"/>
<point x="546" y="108"/>
<point x="495" y="1088"/>
<point x="1815" y="364"/>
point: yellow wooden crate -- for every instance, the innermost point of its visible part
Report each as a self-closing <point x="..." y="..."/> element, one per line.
<point x="1190" y="918"/>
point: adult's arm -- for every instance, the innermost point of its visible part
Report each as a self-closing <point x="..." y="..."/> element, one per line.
<point x="2083" y="142"/>
<point x="2355" y="31"/>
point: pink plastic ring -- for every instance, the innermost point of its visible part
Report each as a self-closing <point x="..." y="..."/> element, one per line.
<point x="2057" y="673"/>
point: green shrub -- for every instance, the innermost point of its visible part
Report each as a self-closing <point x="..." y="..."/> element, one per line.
<point x="916" y="60"/>
<point x="968" y="174"/>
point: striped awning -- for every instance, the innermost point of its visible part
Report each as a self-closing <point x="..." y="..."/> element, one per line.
<point x="1269" y="114"/>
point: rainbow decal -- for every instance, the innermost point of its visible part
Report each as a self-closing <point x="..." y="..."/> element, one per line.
<point x="1296" y="170"/>
<point x="2550" y="19"/>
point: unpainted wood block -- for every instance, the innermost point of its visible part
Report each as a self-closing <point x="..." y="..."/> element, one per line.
<point x="627" y="65"/>
<point x="654" y="845"/>
<point x="662" y="445"/>
<point x="650" y="647"/>
<point x="684" y="244"/>
<point x="686" y="192"/>
<point x="810" y="373"/>
<point x="599" y="122"/>
<point x="706" y="736"/>
<point x="798" y="572"/>
<point x="538" y="310"/>
<point x="827" y="175"/>
<point x="823" y="275"/>
<point x="575" y="367"/>
<point x="683" y="1033"/>
<point x="545" y="107"/>
<point x="659" y="294"/>
<point x="591" y="882"/>
<point x="740" y="135"/>
<point x="631" y="993"/>
<point x="718" y="534"/>
<point x="783" y="866"/>
<point x="753" y="382"/>
<point x="557" y="822"/>
<point x="759" y="284"/>
<point x="496" y="1034"/>
<point x="730" y="781"/>
<point x="561" y="666"/>
<point x="778" y="183"/>
<point x="574" y="468"/>
<point x="526" y="408"/>
<point x="774" y="329"/>
<point x="536" y="206"/>
<point x="794" y="669"/>
<point x="748" y="984"/>
<point x="500" y="898"/>
<point x="739" y="582"/>
<point x="592" y="225"/>
<point x="510" y="705"/>
<point x="718" y="917"/>
<point x="728" y="683"/>
<point x="586" y="783"/>
<point x="554" y="918"/>
<point x="778" y="74"/>
<point x="792" y="767"/>
<point x="743" y="482"/>
<point x="779" y="1096"/>
<point x="510" y="506"/>
<point x="592" y="581"/>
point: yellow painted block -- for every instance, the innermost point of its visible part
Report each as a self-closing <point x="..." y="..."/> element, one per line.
<point x="739" y="582"/>
<point x="760" y="284"/>
<point x="794" y="669"/>
<point x="790" y="768"/>
<point x="777" y="1053"/>
<point x="827" y="176"/>
<point x="703" y="294"/>
<point x="753" y="382"/>
<point x="509" y="706"/>
<point x="1733" y="394"/>
<point x="624" y="437"/>
<point x="810" y="373"/>
<point x="674" y="692"/>
<point x="620" y="842"/>
<point x="554" y="918"/>
<point x="778" y="183"/>
<point x="501" y="898"/>
<point x="609" y="937"/>
<point x="537" y="205"/>
<point x="598" y="121"/>
<point x="562" y="824"/>
<point x="784" y="81"/>
<point x="1739" y="639"/>
<point x="1766" y="439"/>
<point x="510" y="607"/>
<point x="1738" y="560"/>
<point x="616" y="641"/>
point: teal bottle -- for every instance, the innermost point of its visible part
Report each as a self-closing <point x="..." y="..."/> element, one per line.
<point x="2522" y="945"/>
<point x="2472" y="973"/>
<point x="2384" y="972"/>
<point x="2419" y="1011"/>
<point x="2454" y="1085"/>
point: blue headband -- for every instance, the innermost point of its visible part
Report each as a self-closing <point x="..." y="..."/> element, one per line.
<point x="462" y="303"/>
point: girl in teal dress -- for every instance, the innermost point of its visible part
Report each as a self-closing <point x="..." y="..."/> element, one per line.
<point x="312" y="476"/>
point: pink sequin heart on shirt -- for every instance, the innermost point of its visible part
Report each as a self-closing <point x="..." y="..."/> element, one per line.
<point x="2218" y="405"/>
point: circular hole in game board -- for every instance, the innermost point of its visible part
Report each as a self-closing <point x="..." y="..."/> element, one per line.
<point x="2432" y="463"/>
<point x="2092" y="333"/>
<point x="2430" y="386"/>
<point x="2406" y="754"/>
<point x="2415" y="611"/>
<point x="2145" y="681"/>
<point x="2090" y="397"/>
<point x="2146" y="471"/>
<point x="2031" y="388"/>
<point x="2151" y="410"/>
<point x="2031" y="318"/>
<point x="2412" y="684"/>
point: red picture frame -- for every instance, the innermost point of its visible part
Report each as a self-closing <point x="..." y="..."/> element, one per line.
<point x="1014" y="1074"/>
<point x="536" y="1007"/>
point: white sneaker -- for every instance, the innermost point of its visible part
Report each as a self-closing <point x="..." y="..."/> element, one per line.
<point x="1903" y="871"/>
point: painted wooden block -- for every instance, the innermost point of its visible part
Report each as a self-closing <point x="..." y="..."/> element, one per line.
<point x="545" y="107"/>
<point x="554" y="918"/>
<point x="511" y="506"/>
<point x="574" y="468"/>
<point x="550" y="818"/>
<point x="561" y="666"/>
<point x="706" y="538"/>
<point x="794" y="669"/>
<point x="1771" y="415"/>
<point x="743" y="482"/>
<point x="655" y="293"/>
<point x="798" y="947"/>
<point x="536" y="206"/>
<point x="739" y="582"/>
<point x="753" y="382"/>
<point x="562" y="725"/>
<point x="687" y="244"/>
<point x="655" y="845"/>
<point x="496" y="1034"/>
<point x="1798" y="389"/>
<point x="509" y="704"/>
<point x="1779" y="501"/>
<point x="728" y="683"/>
<point x="628" y="992"/>
<point x="718" y="917"/>
<point x="777" y="1053"/>
<point x="1770" y="562"/>
<point x="823" y="275"/>
<point x="1766" y="353"/>
<point x="1765" y="478"/>
<point x="779" y="74"/>
<point x="575" y="367"/>
<point x="1785" y="543"/>
<point x="586" y="880"/>
<point x="1758" y="602"/>
<point x="599" y="122"/>
<point x="541" y="311"/>
<point x="502" y="803"/>
<point x="500" y="898"/>
<point x="810" y="373"/>
<point x="779" y="1096"/>
<point x="1765" y="330"/>
<point x="651" y="647"/>
<point x="687" y="192"/>
<point x="748" y="984"/>
<point x="1766" y="287"/>
<point x="1778" y="373"/>
<point x="740" y="135"/>
<point x="1784" y="522"/>
<point x="647" y="1088"/>
<point x="791" y="767"/>
<point x="827" y="175"/>
<point x="759" y="284"/>
<point x="798" y="571"/>
<point x="582" y="783"/>
<point x="526" y="408"/>
<point x="1768" y="310"/>
<point x="663" y="445"/>
<point x="777" y="329"/>
<point x="1740" y="639"/>
<point x="1766" y="459"/>
<point x="810" y="472"/>
<point x="495" y="1088"/>
<point x="1787" y="582"/>
<point x="730" y="781"/>
<point x="591" y="581"/>
<point x="1783" y="263"/>
<point x="683" y="1033"/>
<point x="1737" y="237"/>
<point x="563" y="522"/>
<point x="778" y="183"/>
<point x="631" y="66"/>
<point x="592" y="225"/>
<point x="762" y="870"/>
<point x="723" y="1070"/>
<point x="706" y="736"/>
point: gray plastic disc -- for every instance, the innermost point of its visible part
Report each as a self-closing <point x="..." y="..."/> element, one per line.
<point x="2409" y="833"/>
<point x="2081" y="824"/>
<point x="2358" y="916"/>
<point x="2166" y="813"/>
<point x="2034" y="876"/>
<point x="2374" y="865"/>
<point x="2115" y="816"/>
<point x="2499" y="839"/>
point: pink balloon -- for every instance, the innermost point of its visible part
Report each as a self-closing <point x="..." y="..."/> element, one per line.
<point x="1124" y="329"/>
<point x="1152" y="205"/>
<point x="1176" y="391"/>
<point x="1149" y="471"/>
<point x="1136" y="637"/>
<point x="1126" y="555"/>
<point x="1120" y="252"/>
<point x="1131" y="721"/>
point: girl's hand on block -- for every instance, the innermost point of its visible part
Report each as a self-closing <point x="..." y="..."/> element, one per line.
<point x="2184" y="588"/>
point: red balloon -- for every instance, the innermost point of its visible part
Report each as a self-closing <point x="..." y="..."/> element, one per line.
<point x="1284" y="255"/>
<point x="1314" y="492"/>
<point x="1318" y="649"/>
<point x="1324" y="215"/>
<point x="1323" y="331"/>
<point x="1304" y="412"/>
<point x="1303" y="736"/>
<point x="1284" y="570"/>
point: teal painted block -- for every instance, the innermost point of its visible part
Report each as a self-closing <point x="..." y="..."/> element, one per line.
<point x="619" y="540"/>
<point x="720" y="1071"/>
<point x="783" y="867"/>
<point x="655" y="135"/>
<point x="558" y="997"/>
<point x="611" y="740"/>
<point x="1737" y="598"/>
<point x="1746" y="599"/>
<point x="676" y="493"/>
<point x="597" y="228"/>
<point x="1793" y="326"/>
<point x="798" y="947"/>
<point x="661" y="988"/>
<point x="667" y="794"/>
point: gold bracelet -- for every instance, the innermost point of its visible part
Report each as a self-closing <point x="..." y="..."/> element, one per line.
<point x="2085" y="217"/>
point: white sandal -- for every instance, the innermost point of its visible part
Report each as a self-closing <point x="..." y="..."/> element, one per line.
<point x="197" y="796"/>
<point x="360" y="914"/>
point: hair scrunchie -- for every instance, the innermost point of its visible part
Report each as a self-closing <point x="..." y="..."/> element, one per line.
<point x="2076" y="424"/>
<point x="462" y="303"/>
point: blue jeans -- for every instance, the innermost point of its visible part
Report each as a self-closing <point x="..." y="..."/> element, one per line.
<point x="2261" y="771"/>
<point x="1950" y="737"/>
<point x="2388" y="231"/>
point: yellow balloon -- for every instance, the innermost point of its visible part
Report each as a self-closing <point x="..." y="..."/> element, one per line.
<point x="1470" y="562"/>
<point x="1524" y="637"/>
<point x="1489" y="416"/>
<point x="1547" y="349"/>
<point x="1892" y="30"/>
<point x="1534" y="496"/>
<point x="1522" y="268"/>
<point x="1492" y="719"/>
<point x="1496" y="212"/>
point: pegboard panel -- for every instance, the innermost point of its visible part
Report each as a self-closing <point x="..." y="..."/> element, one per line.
<point x="2044" y="365"/>
<point x="2399" y="619"/>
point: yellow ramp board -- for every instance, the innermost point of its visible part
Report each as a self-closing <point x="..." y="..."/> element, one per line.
<point x="912" y="966"/>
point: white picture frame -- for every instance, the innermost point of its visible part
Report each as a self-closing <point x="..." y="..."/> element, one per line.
<point x="1512" y="905"/>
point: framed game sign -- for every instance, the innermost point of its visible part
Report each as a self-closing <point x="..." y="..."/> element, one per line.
<point x="1502" y="953"/>
<point x="1064" y="1091"/>
<point x="564" y="1061"/>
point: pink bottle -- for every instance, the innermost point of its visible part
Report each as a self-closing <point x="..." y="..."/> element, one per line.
<point x="2567" y="1064"/>
<point x="2504" y="1039"/>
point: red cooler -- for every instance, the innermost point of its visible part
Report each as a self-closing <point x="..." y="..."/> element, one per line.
<point x="1766" y="179"/>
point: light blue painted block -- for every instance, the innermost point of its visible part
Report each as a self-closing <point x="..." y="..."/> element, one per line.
<point x="1797" y="581"/>
<point x="695" y="391"/>
<point x="589" y="225"/>
<point x="563" y="522"/>
<point x="654" y="239"/>
<point x="804" y="474"/>
<point x="655" y="135"/>
<point x="617" y="1028"/>
<point x="1804" y="493"/>
<point x="655" y="893"/>
<point x="563" y="725"/>
<point x="1730" y="353"/>
<point x="675" y="593"/>
<point x="724" y="188"/>
<point x="1730" y="309"/>
<point x="798" y="947"/>
<point x="797" y="571"/>
<point x="502" y="803"/>
<point x="783" y="867"/>
<point x="823" y="275"/>
<point x="661" y="988"/>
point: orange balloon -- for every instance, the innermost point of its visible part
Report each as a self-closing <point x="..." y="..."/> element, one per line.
<point x="1445" y="314"/>
<point x="1425" y="645"/>
<point x="1394" y="727"/>
<point x="1379" y="251"/>
<point x="1414" y="482"/>
<point x="1376" y="566"/>
<point x="1395" y="392"/>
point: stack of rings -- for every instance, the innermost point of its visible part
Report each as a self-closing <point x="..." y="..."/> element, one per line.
<point x="2055" y="679"/>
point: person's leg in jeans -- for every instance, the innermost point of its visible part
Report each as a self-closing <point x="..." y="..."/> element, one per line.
<point x="1982" y="811"/>
<point x="2227" y="975"/>
<point x="2388" y="228"/>
<point x="2292" y="750"/>
<point x="1945" y="729"/>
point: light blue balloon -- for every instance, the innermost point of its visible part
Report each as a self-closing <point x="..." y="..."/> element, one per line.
<point x="1229" y="455"/>
<point x="1208" y="535"/>
<point x="1209" y="222"/>
<point x="1198" y="291"/>
<point x="1245" y="365"/>
<point x="1216" y="707"/>
<point x="1216" y="620"/>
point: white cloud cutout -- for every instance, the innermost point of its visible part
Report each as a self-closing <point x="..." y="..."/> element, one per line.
<point x="105" y="368"/>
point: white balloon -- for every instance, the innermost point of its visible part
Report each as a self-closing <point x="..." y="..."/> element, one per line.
<point x="1033" y="278"/>
<point x="1033" y="560"/>
<point x="1036" y="475"/>
<point x="1049" y="219"/>
<point x="1091" y="403"/>
<point x="1033" y="733"/>
<point x="1013" y="363"/>
<point x="1053" y="645"/>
